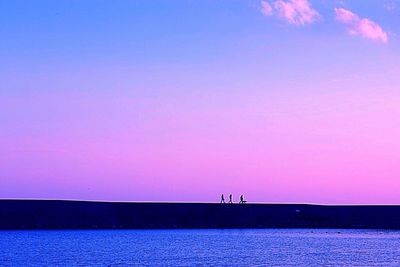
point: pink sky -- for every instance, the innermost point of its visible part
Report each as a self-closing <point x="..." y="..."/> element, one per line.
<point x="327" y="147"/>
<point x="281" y="100"/>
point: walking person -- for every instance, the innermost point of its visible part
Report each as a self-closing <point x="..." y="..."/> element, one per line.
<point x="222" y="199"/>
<point x="230" y="199"/>
<point x="242" y="201"/>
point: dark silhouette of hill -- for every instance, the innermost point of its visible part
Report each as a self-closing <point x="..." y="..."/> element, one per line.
<point x="62" y="214"/>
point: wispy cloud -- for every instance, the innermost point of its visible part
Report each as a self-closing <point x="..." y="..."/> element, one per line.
<point x="266" y="8"/>
<point x="361" y="26"/>
<point x="297" y="12"/>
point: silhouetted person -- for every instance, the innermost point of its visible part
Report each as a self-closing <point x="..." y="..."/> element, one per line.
<point x="222" y="198"/>
<point x="242" y="201"/>
<point x="230" y="199"/>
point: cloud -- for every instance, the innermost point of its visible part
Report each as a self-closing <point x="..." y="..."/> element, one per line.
<point x="266" y="8"/>
<point x="297" y="12"/>
<point x="361" y="26"/>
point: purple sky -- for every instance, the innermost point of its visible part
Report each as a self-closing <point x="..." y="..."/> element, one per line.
<point x="279" y="100"/>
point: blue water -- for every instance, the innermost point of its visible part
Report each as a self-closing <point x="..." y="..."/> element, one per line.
<point x="200" y="248"/>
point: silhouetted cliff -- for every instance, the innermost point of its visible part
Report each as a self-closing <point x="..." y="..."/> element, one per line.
<point x="59" y="214"/>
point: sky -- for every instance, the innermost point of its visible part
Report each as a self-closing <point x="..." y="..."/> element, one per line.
<point x="291" y="101"/>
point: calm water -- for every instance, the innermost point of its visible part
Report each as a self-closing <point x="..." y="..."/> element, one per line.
<point x="200" y="248"/>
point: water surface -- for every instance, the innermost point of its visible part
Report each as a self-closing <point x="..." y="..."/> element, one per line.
<point x="269" y="247"/>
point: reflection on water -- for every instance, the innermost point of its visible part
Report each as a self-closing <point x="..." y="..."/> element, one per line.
<point x="200" y="247"/>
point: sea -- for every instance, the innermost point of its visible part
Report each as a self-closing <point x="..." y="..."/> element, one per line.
<point x="258" y="247"/>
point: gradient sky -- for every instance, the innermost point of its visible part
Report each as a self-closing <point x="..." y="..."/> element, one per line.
<point x="279" y="100"/>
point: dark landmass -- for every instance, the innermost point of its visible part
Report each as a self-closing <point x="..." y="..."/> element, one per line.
<point x="62" y="214"/>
